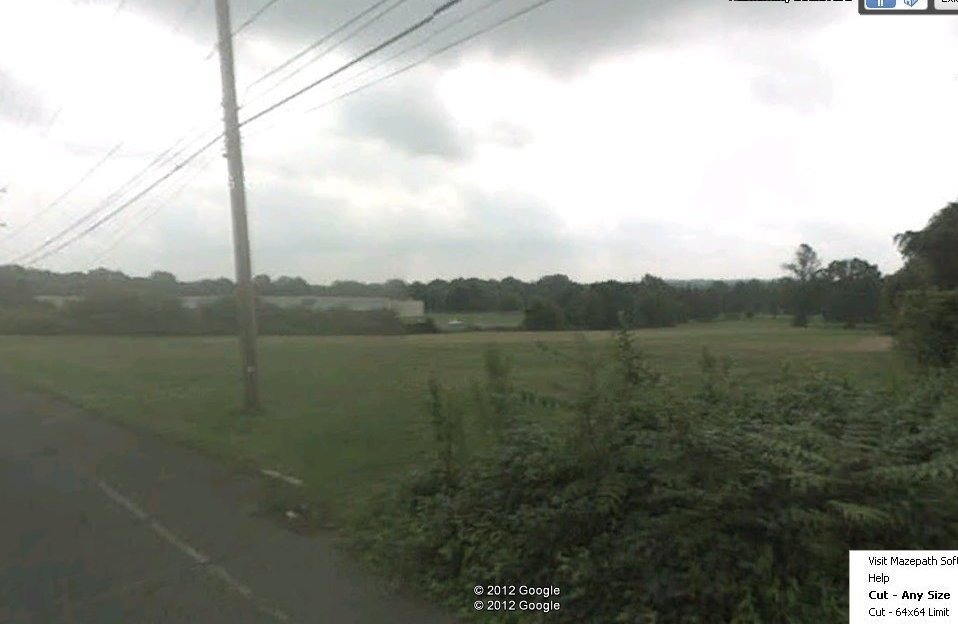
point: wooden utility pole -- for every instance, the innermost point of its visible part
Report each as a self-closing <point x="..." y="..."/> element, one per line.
<point x="246" y="311"/>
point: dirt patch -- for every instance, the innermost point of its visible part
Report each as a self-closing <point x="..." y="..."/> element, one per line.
<point x="873" y="344"/>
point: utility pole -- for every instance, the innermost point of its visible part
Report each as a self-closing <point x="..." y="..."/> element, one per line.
<point x="246" y="311"/>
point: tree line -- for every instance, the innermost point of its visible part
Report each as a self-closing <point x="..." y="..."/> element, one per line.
<point x="918" y="302"/>
<point x="553" y="302"/>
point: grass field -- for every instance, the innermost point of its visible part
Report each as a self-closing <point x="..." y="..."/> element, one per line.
<point x="347" y="414"/>
<point x="482" y="320"/>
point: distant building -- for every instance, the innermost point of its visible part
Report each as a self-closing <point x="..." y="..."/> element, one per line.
<point x="404" y="308"/>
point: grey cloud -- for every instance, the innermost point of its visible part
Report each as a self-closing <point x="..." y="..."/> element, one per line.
<point x="364" y="162"/>
<point x="407" y="116"/>
<point x="564" y="35"/>
<point x="324" y="238"/>
<point x="327" y="240"/>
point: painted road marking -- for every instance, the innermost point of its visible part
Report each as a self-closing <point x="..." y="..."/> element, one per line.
<point x="282" y="477"/>
<point x="194" y="554"/>
<point x="185" y="548"/>
<point x="123" y="501"/>
<point x="224" y="576"/>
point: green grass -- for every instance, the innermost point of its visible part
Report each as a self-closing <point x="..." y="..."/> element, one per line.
<point x="482" y="320"/>
<point x="348" y="414"/>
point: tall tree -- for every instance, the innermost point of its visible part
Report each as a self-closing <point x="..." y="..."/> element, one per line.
<point x="805" y="269"/>
<point x="936" y="246"/>
<point x="852" y="292"/>
<point x="922" y="298"/>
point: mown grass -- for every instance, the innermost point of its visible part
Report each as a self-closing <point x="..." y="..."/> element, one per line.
<point x="482" y="320"/>
<point x="347" y="414"/>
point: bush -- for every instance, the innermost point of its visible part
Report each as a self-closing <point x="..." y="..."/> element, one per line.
<point x="117" y="311"/>
<point x="927" y="325"/>
<point x="729" y="505"/>
<point x="543" y="315"/>
<point x="33" y="321"/>
<point x="427" y="326"/>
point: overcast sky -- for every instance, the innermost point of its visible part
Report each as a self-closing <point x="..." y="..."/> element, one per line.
<point x="604" y="139"/>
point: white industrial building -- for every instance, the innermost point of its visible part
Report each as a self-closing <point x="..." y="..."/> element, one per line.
<point x="404" y="308"/>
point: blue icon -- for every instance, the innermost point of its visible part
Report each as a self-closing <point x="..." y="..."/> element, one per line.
<point x="880" y="4"/>
<point x="911" y="2"/>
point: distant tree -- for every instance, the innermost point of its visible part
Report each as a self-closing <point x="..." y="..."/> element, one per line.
<point x="162" y="282"/>
<point x="852" y="292"/>
<point x="805" y="270"/>
<point x="291" y="286"/>
<point x="558" y="288"/>
<point x="921" y="300"/>
<point x="263" y="285"/>
<point x="395" y="289"/>
<point x="936" y="246"/>
<point x="15" y="290"/>
<point x="511" y="294"/>
<point x="655" y="304"/>
<point x="543" y="315"/>
<point x="163" y="276"/>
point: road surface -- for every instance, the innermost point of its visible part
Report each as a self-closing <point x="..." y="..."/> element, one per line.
<point x="101" y="524"/>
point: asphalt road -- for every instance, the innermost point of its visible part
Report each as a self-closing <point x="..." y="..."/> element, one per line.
<point x="101" y="524"/>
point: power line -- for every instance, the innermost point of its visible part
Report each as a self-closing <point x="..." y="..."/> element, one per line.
<point x="435" y="53"/>
<point x="406" y="32"/>
<point x="113" y="151"/>
<point x="255" y="16"/>
<point x="375" y="49"/>
<point x="167" y="156"/>
<point x="246" y="23"/>
<point x="56" y="202"/>
<point x="151" y="211"/>
<point x="325" y="38"/>
<point x="46" y="132"/>
<point x="442" y="50"/>
<point x="117" y="210"/>
<point x="459" y="20"/>
<point x="160" y="160"/>
<point x="329" y="50"/>
<point x="45" y="250"/>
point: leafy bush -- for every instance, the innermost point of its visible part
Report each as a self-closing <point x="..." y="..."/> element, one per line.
<point x="118" y="311"/>
<point x="33" y="321"/>
<point x="727" y="505"/>
<point x="927" y="324"/>
<point x="543" y="315"/>
<point x="427" y="326"/>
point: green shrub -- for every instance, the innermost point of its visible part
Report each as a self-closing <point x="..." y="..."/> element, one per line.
<point x="35" y="321"/>
<point x="927" y="325"/>
<point x="731" y="504"/>
<point x="543" y="315"/>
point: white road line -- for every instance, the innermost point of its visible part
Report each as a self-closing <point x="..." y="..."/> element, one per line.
<point x="235" y="585"/>
<point x="194" y="554"/>
<point x="282" y="477"/>
<point x="185" y="548"/>
<point x="122" y="501"/>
